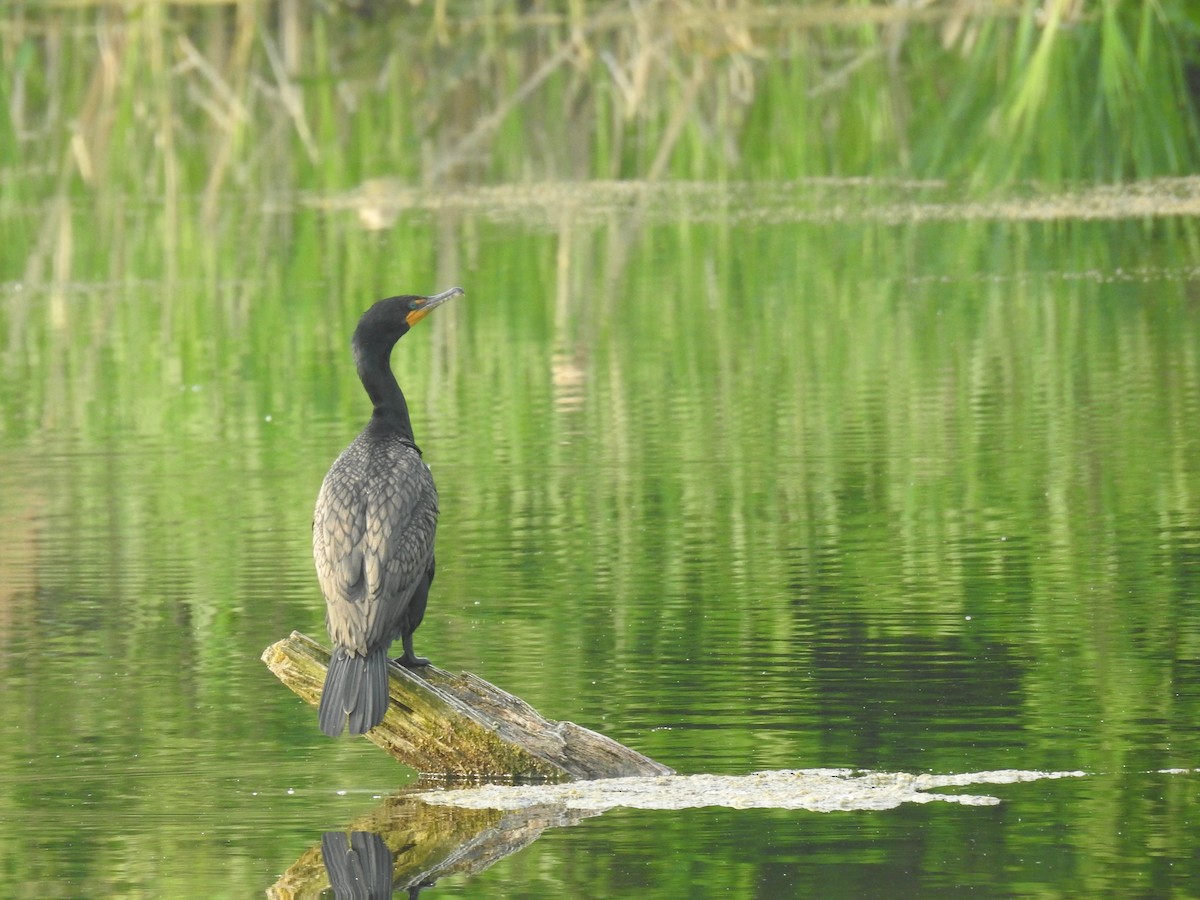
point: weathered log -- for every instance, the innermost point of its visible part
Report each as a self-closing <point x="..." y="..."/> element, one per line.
<point x="461" y="725"/>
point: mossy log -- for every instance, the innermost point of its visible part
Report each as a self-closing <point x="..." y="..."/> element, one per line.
<point x="461" y="725"/>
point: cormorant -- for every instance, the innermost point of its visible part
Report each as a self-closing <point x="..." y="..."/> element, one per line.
<point x="373" y="531"/>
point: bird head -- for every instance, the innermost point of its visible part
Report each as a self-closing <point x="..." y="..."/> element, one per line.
<point x="389" y="320"/>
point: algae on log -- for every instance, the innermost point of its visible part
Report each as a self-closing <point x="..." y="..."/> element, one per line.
<point x="461" y="725"/>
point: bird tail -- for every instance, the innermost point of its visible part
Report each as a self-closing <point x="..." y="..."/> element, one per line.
<point x="355" y="686"/>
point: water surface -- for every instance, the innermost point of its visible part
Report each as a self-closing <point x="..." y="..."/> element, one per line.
<point x="764" y="468"/>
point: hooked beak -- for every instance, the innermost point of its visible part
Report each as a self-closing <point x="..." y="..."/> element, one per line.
<point x="425" y="304"/>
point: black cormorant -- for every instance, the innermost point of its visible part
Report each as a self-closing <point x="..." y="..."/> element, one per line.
<point x="373" y="531"/>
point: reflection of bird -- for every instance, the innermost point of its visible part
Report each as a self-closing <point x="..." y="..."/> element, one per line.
<point x="373" y="531"/>
<point x="361" y="870"/>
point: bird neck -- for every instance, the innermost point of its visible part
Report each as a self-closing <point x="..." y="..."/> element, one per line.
<point x="375" y="372"/>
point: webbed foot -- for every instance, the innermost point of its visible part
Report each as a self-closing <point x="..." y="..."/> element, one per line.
<point x="411" y="662"/>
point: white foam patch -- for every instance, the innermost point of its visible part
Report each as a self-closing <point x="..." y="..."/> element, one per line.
<point x="818" y="790"/>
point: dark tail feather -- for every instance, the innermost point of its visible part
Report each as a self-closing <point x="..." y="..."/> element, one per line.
<point x="355" y="686"/>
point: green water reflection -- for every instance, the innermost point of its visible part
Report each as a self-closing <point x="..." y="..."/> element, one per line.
<point x="816" y="514"/>
<point x="856" y="481"/>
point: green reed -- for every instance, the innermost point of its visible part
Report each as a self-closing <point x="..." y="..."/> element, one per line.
<point x="214" y="98"/>
<point x="137" y="135"/>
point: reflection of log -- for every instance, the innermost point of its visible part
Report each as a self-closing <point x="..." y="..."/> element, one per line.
<point x="445" y="724"/>
<point x="430" y="842"/>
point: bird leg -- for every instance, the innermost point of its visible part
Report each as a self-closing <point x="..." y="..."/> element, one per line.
<point x="410" y="660"/>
